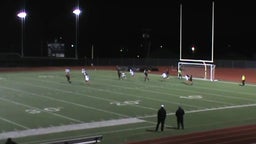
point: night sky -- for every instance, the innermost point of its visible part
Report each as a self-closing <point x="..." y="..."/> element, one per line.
<point x="131" y="28"/>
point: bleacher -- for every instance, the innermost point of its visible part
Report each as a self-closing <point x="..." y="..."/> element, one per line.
<point x="85" y="140"/>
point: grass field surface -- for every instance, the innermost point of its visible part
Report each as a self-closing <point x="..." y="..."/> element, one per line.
<point x="40" y="107"/>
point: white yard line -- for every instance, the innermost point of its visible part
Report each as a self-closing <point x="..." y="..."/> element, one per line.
<point x="207" y="109"/>
<point x="28" y="106"/>
<point x="13" y="123"/>
<point x="67" y="102"/>
<point x="65" y="128"/>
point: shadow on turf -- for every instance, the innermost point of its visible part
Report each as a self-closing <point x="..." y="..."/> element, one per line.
<point x="153" y="130"/>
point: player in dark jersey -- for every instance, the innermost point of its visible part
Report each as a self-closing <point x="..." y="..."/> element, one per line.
<point x="146" y="75"/>
<point x="67" y="71"/>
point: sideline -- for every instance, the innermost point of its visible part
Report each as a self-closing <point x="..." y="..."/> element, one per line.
<point x="207" y="109"/>
<point x="65" y="128"/>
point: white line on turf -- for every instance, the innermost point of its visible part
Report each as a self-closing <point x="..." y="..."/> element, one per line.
<point x="64" y="128"/>
<point x="14" y="123"/>
<point x="55" y="129"/>
<point x="208" y="109"/>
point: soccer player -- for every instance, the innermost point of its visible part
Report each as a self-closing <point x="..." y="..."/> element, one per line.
<point x="118" y="72"/>
<point x="146" y="75"/>
<point x="67" y="71"/>
<point x="85" y="75"/>
<point x="189" y="79"/>
<point x="83" y="71"/>
<point x="186" y="77"/>
<point x="179" y="73"/>
<point x="164" y="75"/>
<point x="132" y="73"/>
<point x="123" y="75"/>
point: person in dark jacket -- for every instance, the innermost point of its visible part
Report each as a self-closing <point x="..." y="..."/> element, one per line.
<point x="161" y="115"/>
<point x="10" y="141"/>
<point x="179" y="115"/>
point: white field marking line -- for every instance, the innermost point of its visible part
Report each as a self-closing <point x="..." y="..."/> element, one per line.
<point x="72" y="127"/>
<point x="171" y="94"/>
<point x="201" y="107"/>
<point x="28" y="106"/>
<point x="104" y="99"/>
<point x="212" y="101"/>
<point x="207" y="109"/>
<point x="221" y="90"/>
<point x="116" y="93"/>
<point x="203" y="93"/>
<point x="67" y="102"/>
<point x="247" y="84"/>
<point x="193" y="111"/>
<point x="14" y="123"/>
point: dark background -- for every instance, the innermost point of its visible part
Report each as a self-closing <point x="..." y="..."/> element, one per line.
<point x="131" y="28"/>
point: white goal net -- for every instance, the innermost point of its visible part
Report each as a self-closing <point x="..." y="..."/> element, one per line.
<point x="197" y="70"/>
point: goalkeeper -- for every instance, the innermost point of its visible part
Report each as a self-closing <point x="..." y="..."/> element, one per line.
<point x="179" y="73"/>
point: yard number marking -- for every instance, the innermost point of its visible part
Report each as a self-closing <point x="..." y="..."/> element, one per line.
<point x="192" y="97"/>
<point x="126" y="103"/>
<point x="37" y="111"/>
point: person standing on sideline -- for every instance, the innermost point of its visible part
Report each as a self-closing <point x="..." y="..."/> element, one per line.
<point x="179" y="115"/>
<point x="67" y="71"/>
<point x="161" y="115"/>
<point x="146" y="75"/>
<point x="10" y="141"/>
<point x="243" y="80"/>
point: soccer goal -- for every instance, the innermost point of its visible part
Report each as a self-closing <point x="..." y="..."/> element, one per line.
<point x="198" y="69"/>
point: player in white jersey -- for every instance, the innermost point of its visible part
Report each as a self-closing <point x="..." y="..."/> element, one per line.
<point x="67" y="74"/>
<point x="164" y="75"/>
<point x="123" y="75"/>
<point x="132" y="73"/>
<point x="85" y="74"/>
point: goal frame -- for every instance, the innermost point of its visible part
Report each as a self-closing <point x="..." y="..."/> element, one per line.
<point x="204" y="65"/>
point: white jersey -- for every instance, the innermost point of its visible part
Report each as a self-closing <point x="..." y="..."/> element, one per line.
<point x="131" y="72"/>
<point x="67" y="71"/>
<point x="123" y="75"/>
<point x="83" y="71"/>
<point x="164" y="75"/>
<point x="187" y="77"/>
<point x="87" y="78"/>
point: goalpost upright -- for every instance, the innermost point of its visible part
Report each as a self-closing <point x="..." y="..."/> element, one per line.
<point x="206" y="64"/>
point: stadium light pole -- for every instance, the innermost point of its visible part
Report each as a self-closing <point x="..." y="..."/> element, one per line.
<point x="77" y="12"/>
<point x="22" y="15"/>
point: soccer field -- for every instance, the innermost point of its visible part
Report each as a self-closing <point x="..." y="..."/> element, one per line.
<point x="40" y="107"/>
